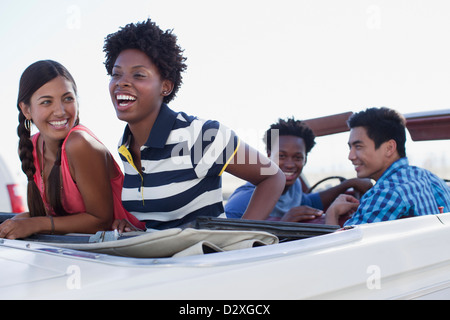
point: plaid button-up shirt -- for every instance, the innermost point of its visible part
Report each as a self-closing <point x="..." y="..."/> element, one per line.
<point x="402" y="191"/>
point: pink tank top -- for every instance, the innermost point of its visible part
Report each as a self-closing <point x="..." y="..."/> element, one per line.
<point x="72" y="200"/>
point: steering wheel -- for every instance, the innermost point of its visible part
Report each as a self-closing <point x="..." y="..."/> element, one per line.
<point x="341" y="179"/>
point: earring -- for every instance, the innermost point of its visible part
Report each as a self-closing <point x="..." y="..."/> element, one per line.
<point x="27" y="124"/>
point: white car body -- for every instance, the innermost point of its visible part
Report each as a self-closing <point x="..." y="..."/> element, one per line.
<point x="401" y="259"/>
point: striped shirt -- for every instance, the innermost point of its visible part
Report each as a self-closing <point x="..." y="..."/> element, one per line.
<point x="402" y="191"/>
<point x="182" y="162"/>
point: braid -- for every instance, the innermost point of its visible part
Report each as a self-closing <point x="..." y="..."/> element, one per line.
<point x="54" y="186"/>
<point x="34" y="199"/>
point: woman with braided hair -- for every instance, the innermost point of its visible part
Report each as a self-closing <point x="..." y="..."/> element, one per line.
<point x="74" y="184"/>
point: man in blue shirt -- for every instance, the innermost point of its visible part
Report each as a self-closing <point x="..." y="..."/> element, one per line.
<point x="288" y="143"/>
<point x="377" y="150"/>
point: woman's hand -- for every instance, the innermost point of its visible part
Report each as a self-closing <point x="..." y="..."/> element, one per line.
<point x="124" y="226"/>
<point x="17" y="228"/>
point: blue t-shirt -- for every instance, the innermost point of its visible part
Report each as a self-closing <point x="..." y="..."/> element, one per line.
<point x="294" y="197"/>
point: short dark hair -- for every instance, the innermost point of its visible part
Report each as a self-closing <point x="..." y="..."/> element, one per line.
<point x="291" y="127"/>
<point x="382" y="124"/>
<point x="160" y="46"/>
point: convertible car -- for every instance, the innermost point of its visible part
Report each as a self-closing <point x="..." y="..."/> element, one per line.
<point x="237" y="259"/>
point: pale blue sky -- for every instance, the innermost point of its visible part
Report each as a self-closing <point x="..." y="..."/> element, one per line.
<point x="249" y="62"/>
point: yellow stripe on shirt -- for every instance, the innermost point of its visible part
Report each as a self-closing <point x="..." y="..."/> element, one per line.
<point x="232" y="156"/>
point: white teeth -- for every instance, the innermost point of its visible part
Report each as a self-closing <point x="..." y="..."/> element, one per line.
<point x="289" y="173"/>
<point x="125" y="97"/>
<point x="58" y="123"/>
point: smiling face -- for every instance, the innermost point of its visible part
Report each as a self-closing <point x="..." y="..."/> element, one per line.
<point x="290" y="157"/>
<point x="136" y="87"/>
<point x="370" y="162"/>
<point x="53" y="109"/>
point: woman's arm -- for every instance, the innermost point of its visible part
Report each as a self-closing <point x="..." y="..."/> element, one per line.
<point x="91" y="167"/>
<point x="17" y="228"/>
<point x="252" y="166"/>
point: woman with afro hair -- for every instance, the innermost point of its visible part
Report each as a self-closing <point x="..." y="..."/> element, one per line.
<point x="173" y="162"/>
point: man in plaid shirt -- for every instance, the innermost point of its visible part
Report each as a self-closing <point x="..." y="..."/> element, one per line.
<point x="377" y="150"/>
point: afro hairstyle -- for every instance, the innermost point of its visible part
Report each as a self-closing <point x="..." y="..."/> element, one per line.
<point x="160" y="46"/>
<point x="291" y="127"/>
